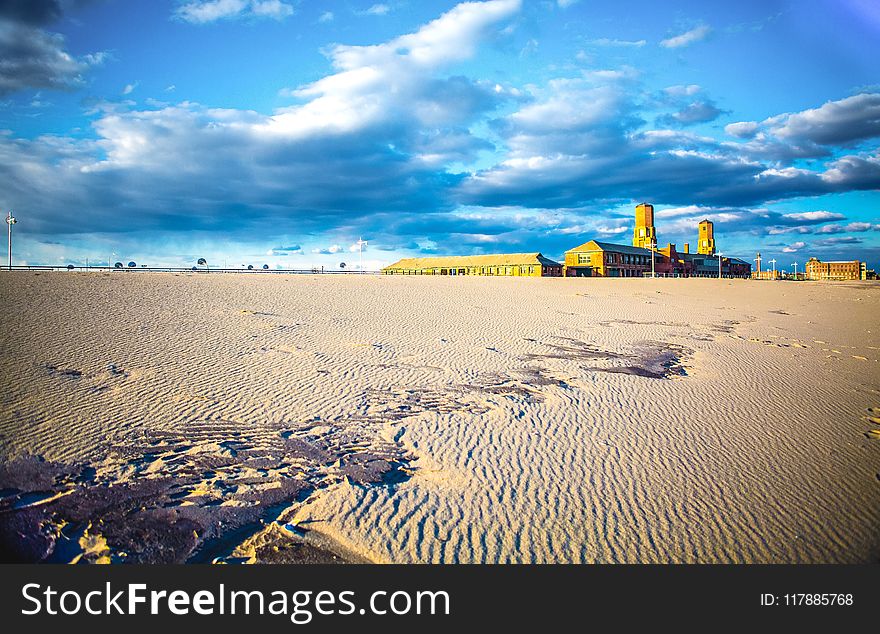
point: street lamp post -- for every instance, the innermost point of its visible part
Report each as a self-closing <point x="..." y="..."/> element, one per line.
<point x="773" y="262"/>
<point x="361" y="244"/>
<point x="10" y="220"/>
<point x="795" y="270"/>
<point x="719" y="265"/>
<point x="653" y="254"/>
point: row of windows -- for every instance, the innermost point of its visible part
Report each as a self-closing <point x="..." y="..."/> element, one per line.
<point x="617" y="258"/>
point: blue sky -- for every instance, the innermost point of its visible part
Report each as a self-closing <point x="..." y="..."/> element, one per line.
<point x="281" y="131"/>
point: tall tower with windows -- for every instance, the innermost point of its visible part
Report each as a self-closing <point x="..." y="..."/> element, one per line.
<point x="644" y="234"/>
<point x="706" y="240"/>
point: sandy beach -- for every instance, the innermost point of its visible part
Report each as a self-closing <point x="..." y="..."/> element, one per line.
<point x="210" y="417"/>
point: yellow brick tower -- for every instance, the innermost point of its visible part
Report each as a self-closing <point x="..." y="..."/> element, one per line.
<point x="644" y="234"/>
<point x="706" y="241"/>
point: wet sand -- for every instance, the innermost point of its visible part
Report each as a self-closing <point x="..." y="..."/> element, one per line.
<point x="263" y="418"/>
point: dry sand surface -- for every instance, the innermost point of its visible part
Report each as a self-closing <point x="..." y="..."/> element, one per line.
<point x="262" y="417"/>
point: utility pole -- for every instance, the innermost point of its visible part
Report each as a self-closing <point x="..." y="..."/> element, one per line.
<point x="10" y="221"/>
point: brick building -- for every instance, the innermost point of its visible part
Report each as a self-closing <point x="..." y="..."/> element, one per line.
<point x="849" y="270"/>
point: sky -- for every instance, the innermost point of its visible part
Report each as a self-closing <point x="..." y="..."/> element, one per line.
<point x="280" y="132"/>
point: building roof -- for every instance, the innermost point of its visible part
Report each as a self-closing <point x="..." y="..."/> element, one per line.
<point x="451" y="261"/>
<point x="595" y="245"/>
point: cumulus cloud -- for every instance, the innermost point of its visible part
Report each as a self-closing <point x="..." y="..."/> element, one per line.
<point x="687" y="38"/>
<point x="794" y="247"/>
<point x="581" y="140"/>
<point x="32" y="57"/>
<point x="205" y="11"/>
<point x="742" y="129"/>
<point x="695" y="112"/>
<point x="834" y="123"/>
<point x="814" y="132"/>
<point x="374" y="136"/>
<point x="690" y="108"/>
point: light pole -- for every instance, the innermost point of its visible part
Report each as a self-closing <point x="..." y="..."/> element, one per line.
<point x="719" y="265"/>
<point x="795" y="270"/>
<point x="10" y="220"/>
<point x="653" y="246"/>
<point x="773" y="262"/>
<point x="361" y="244"/>
<point x="758" y="260"/>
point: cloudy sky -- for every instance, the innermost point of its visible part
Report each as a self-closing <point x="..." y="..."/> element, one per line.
<point x="281" y="131"/>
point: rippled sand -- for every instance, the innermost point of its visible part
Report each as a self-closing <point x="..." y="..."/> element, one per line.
<point x="163" y="417"/>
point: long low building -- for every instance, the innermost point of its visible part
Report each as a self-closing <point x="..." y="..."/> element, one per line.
<point x="604" y="259"/>
<point x="509" y="264"/>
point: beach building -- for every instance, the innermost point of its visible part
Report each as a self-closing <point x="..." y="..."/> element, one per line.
<point x="604" y="259"/>
<point x="509" y="264"/>
<point x="838" y="271"/>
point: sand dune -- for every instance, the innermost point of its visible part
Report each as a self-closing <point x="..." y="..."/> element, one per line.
<point x="163" y="417"/>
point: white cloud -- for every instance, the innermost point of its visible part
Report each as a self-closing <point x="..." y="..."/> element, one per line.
<point x="612" y="230"/>
<point x="390" y="81"/>
<point x="815" y="216"/>
<point x="129" y="88"/>
<point x="378" y="9"/>
<point x="271" y="9"/>
<point x="688" y="37"/>
<point x="742" y="129"/>
<point x="835" y="122"/>
<point x="205" y="11"/>
<point x="327" y="16"/>
<point x="682" y="90"/>
<point x="564" y="4"/>
<point x="605" y="41"/>
<point x="794" y="247"/>
<point x="334" y="248"/>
